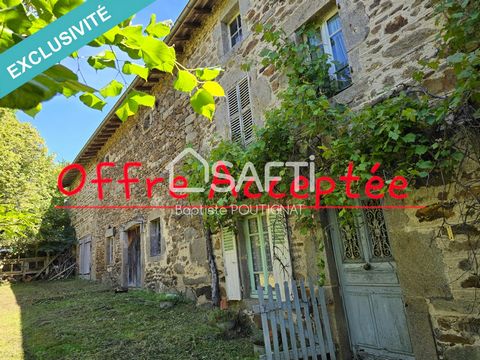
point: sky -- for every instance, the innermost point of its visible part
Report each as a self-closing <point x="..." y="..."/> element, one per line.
<point x="67" y="124"/>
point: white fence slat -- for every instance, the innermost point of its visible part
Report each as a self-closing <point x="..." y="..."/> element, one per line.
<point x="273" y="321"/>
<point x="291" y="326"/>
<point x="281" y="320"/>
<point x="303" y="315"/>
<point x="299" y="319"/>
<point x="326" y="322"/>
<point x="308" y="320"/>
<point x="318" y="324"/>
<point x="266" y="334"/>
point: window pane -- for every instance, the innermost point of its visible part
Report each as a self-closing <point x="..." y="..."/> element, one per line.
<point x="339" y="50"/>
<point x="252" y="226"/>
<point x="233" y="27"/>
<point x="155" y="238"/>
<point x="256" y="253"/>
<point x="334" y="24"/>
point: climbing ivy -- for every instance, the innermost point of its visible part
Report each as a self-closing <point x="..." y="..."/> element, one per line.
<point x="128" y="48"/>
<point x="410" y="133"/>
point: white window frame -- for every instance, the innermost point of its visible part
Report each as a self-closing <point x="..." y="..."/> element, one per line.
<point x="326" y="44"/>
<point x="239" y="29"/>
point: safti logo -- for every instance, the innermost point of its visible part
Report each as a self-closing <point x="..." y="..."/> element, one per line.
<point x="302" y="187"/>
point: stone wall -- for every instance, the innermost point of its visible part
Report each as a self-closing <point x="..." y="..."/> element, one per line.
<point x="385" y="39"/>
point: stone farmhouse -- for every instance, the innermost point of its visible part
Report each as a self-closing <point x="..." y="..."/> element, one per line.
<point x="391" y="289"/>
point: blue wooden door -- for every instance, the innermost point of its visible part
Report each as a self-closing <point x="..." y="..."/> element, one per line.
<point x="371" y="292"/>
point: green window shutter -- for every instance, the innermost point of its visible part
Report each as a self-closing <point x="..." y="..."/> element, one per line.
<point x="277" y="230"/>
<point x="230" y="262"/>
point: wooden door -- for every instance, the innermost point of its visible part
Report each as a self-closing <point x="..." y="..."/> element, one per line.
<point x="371" y="292"/>
<point x="85" y="257"/>
<point x="134" y="258"/>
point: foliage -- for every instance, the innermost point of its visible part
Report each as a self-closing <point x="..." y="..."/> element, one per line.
<point x="27" y="189"/>
<point x="410" y="133"/>
<point x="143" y="48"/>
<point x="49" y="316"/>
<point x="26" y="172"/>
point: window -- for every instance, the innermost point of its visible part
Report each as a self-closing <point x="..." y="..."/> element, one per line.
<point x="330" y="41"/>
<point x="109" y="250"/>
<point x="155" y="238"/>
<point x="235" y="31"/>
<point x="259" y="252"/>
<point x="240" y="113"/>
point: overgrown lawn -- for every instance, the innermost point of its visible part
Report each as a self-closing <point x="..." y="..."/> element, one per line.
<point x="77" y="319"/>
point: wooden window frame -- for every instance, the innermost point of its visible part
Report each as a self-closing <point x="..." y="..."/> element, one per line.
<point x="158" y="239"/>
<point x="109" y="252"/>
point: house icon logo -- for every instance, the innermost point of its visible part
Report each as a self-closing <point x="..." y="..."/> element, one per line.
<point x="189" y="152"/>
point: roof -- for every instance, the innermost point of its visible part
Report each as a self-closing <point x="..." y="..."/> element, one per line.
<point x="190" y="18"/>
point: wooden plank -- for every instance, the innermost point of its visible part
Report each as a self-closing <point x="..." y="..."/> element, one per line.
<point x="298" y="313"/>
<point x="291" y="326"/>
<point x="326" y="322"/>
<point x="281" y="319"/>
<point x="263" y="315"/>
<point x="308" y="320"/>
<point x="273" y="321"/>
<point x="316" y="317"/>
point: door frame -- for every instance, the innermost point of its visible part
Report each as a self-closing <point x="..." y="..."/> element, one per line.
<point x="124" y="229"/>
<point x="336" y="248"/>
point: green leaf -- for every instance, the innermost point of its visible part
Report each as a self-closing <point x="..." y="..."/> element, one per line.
<point x="15" y="19"/>
<point x="62" y="7"/>
<point x="214" y="88"/>
<point x="132" y="68"/>
<point x="410" y="137"/>
<point x="158" y="55"/>
<point x="41" y="88"/>
<point x="158" y="30"/>
<point x="410" y="114"/>
<point x="393" y="135"/>
<point x="421" y="149"/>
<point x="425" y="165"/>
<point x="203" y="103"/>
<point x="207" y="74"/>
<point x="114" y="88"/>
<point x="456" y="58"/>
<point x="33" y="111"/>
<point x="185" y="81"/>
<point x="92" y="101"/>
<point x="103" y="60"/>
<point x="132" y="102"/>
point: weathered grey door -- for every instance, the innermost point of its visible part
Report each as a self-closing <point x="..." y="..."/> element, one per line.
<point x="85" y="257"/>
<point x="371" y="292"/>
<point x="134" y="265"/>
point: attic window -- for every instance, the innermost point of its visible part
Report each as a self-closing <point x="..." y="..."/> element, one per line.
<point x="235" y="31"/>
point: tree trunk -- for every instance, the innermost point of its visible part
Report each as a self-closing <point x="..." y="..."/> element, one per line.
<point x="213" y="267"/>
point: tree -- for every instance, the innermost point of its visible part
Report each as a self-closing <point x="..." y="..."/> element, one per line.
<point x="144" y="50"/>
<point x="27" y="181"/>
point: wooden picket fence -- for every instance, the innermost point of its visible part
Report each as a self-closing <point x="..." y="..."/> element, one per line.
<point x="296" y="327"/>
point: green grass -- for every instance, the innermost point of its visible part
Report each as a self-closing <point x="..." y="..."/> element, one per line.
<point x="82" y="320"/>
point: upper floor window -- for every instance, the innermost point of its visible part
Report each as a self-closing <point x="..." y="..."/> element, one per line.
<point x="155" y="238"/>
<point x="330" y="40"/>
<point x="240" y="113"/>
<point x="235" y="30"/>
